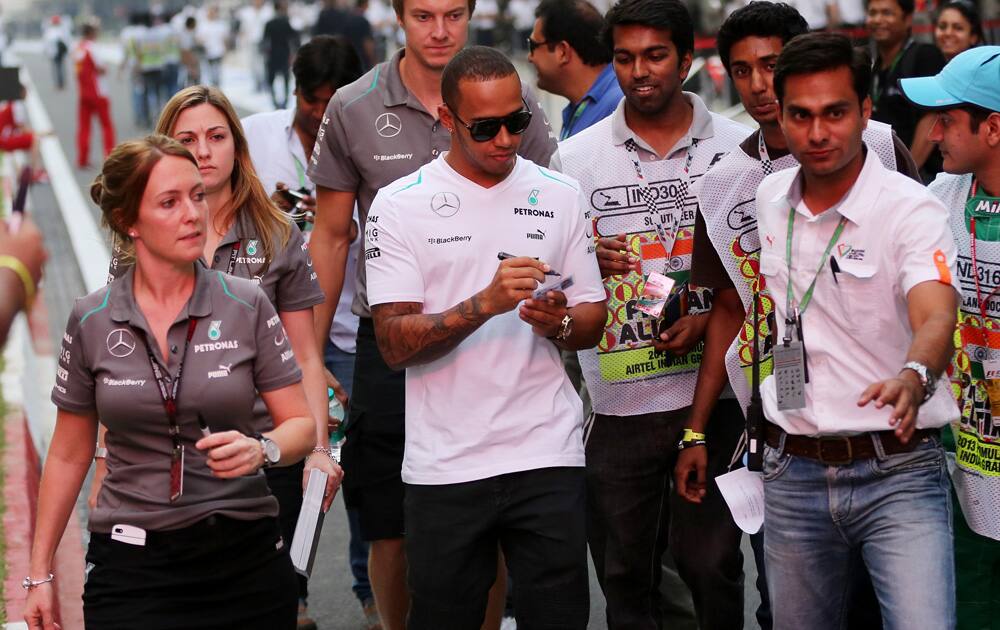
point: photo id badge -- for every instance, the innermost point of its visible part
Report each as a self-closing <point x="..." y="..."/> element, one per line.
<point x="176" y="473"/>
<point x="654" y="294"/>
<point x="790" y="375"/>
<point x="991" y="374"/>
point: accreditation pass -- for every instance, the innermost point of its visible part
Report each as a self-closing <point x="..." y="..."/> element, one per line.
<point x="790" y="375"/>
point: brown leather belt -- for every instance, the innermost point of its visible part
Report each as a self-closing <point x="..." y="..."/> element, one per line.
<point x="843" y="449"/>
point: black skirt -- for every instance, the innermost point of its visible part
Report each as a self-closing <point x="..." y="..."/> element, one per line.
<point x="217" y="573"/>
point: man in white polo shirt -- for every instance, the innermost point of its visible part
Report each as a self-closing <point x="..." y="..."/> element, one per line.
<point x="860" y="264"/>
<point x="494" y="430"/>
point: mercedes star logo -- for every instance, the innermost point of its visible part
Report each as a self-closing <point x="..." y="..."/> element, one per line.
<point x="121" y="342"/>
<point x="445" y="204"/>
<point x="388" y="125"/>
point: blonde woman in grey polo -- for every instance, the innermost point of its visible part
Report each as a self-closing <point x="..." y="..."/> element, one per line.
<point x="171" y="357"/>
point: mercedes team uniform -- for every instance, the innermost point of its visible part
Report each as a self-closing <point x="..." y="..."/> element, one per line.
<point x="214" y="557"/>
<point x="494" y="429"/>
<point x="374" y="132"/>
<point x="290" y="284"/>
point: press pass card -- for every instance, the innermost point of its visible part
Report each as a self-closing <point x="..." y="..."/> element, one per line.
<point x="790" y="375"/>
<point x="654" y="294"/>
<point x="558" y="283"/>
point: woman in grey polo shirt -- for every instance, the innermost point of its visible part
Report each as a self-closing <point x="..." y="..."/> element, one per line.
<point x="170" y="357"/>
<point x="248" y="237"/>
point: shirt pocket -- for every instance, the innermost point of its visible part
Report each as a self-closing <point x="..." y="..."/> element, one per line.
<point x="860" y="296"/>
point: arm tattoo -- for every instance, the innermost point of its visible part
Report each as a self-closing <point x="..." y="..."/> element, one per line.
<point x="407" y="337"/>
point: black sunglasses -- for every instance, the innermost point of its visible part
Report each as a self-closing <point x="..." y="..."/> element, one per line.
<point x="533" y="45"/>
<point x="487" y="128"/>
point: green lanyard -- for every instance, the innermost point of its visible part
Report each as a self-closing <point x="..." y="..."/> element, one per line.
<point x="788" y="260"/>
<point x="572" y="121"/>
<point x="301" y="172"/>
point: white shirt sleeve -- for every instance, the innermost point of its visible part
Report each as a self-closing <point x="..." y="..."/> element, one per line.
<point x="923" y="248"/>
<point x="579" y="259"/>
<point x="393" y="271"/>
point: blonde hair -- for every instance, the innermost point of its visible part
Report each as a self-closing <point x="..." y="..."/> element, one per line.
<point x="249" y="196"/>
<point x="119" y="188"/>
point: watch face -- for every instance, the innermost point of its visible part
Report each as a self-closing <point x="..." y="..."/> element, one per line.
<point x="271" y="451"/>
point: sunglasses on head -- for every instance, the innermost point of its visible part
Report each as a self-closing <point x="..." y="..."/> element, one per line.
<point x="486" y="129"/>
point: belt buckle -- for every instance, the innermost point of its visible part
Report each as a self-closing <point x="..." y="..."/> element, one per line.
<point x="821" y="451"/>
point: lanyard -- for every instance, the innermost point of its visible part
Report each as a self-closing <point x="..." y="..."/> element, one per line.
<point x="565" y="133"/>
<point x="975" y="270"/>
<point x="300" y="172"/>
<point x="168" y="396"/>
<point x="233" y="255"/>
<point x="667" y="238"/>
<point x="876" y="92"/>
<point x="765" y="159"/>
<point x="807" y="297"/>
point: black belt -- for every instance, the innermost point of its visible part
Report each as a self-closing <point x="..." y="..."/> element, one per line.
<point x="841" y="450"/>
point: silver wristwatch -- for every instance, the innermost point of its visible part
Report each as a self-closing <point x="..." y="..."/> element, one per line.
<point x="927" y="379"/>
<point x="271" y="450"/>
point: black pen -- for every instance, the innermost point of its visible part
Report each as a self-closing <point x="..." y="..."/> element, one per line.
<point x="505" y="256"/>
<point x="835" y="268"/>
<point x="203" y="426"/>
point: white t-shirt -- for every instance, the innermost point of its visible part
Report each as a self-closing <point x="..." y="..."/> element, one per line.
<point x="856" y="327"/>
<point x="501" y="401"/>
<point x="275" y="148"/>
<point x="213" y="35"/>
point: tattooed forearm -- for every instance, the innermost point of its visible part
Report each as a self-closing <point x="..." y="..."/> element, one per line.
<point x="408" y="337"/>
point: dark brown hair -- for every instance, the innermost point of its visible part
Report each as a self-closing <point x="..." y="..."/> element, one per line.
<point x="118" y="189"/>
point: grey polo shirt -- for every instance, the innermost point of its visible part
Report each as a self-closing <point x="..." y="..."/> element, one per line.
<point x="375" y="131"/>
<point x="239" y="347"/>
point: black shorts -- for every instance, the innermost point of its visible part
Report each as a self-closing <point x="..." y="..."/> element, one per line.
<point x="373" y="453"/>
<point x="217" y="573"/>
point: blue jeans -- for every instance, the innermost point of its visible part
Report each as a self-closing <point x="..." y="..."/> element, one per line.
<point x="341" y="365"/>
<point x="893" y="509"/>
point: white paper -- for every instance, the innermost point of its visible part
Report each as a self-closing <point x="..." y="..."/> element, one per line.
<point x="743" y="491"/>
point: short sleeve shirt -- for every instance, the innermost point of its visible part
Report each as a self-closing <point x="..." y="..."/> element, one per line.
<point x="238" y="348"/>
<point x="896" y="236"/>
<point x="375" y="131"/>
<point x="501" y="401"/>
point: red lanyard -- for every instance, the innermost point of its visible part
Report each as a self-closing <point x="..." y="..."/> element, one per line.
<point x="168" y="395"/>
<point x="975" y="271"/>
<point x="233" y="255"/>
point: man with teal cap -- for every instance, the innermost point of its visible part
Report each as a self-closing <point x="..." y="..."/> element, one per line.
<point x="965" y="96"/>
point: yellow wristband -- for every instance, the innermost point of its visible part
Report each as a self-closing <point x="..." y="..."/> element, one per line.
<point x="18" y="267"/>
<point x="691" y="436"/>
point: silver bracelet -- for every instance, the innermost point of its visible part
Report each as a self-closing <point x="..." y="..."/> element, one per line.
<point x="326" y="451"/>
<point x="28" y="584"/>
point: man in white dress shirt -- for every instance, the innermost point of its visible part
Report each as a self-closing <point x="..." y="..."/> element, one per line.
<point x="860" y="264"/>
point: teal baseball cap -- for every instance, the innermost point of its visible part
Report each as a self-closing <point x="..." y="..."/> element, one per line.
<point x="972" y="77"/>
